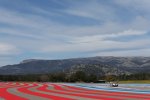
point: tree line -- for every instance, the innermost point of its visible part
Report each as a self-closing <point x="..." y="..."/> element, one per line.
<point x="78" y="76"/>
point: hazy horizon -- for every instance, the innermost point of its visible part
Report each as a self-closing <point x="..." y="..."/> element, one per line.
<point x="62" y="29"/>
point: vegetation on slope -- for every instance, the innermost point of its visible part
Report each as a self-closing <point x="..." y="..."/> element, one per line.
<point x="78" y="76"/>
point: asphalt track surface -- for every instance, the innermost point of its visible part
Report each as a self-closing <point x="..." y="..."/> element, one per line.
<point x="66" y="91"/>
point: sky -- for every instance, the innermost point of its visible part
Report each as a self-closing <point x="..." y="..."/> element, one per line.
<point x="61" y="29"/>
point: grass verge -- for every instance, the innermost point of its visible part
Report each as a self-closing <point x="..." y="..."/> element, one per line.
<point x="135" y="81"/>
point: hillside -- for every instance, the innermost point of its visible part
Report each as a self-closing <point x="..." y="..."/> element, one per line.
<point x="96" y="65"/>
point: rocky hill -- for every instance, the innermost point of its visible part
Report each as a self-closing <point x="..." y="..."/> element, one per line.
<point x="97" y="65"/>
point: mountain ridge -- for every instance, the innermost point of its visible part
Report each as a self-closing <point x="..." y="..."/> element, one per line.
<point x="105" y="64"/>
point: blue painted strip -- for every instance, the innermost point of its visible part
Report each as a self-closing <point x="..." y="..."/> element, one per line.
<point x="116" y="89"/>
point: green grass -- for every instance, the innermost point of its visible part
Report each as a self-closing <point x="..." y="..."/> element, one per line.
<point x="136" y="81"/>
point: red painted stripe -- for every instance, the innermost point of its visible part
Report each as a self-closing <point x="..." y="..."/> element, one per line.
<point x="121" y="94"/>
<point x="25" y="90"/>
<point x="44" y="88"/>
<point x="8" y="96"/>
<point x="74" y="91"/>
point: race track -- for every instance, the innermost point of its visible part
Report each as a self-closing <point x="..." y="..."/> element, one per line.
<point x="70" y="91"/>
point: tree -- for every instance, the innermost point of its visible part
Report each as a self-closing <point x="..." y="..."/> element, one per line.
<point x="44" y="78"/>
<point x="92" y="78"/>
<point x="110" y="78"/>
<point x="78" y="76"/>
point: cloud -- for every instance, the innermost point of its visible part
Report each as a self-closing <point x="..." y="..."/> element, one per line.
<point x="51" y="35"/>
<point x="91" y="9"/>
<point x="48" y="30"/>
<point x="7" y="49"/>
<point x="93" y="46"/>
<point x="33" y="25"/>
<point x="102" y="37"/>
<point x="28" y="25"/>
<point x="135" y="5"/>
<point x="124" y="53"/>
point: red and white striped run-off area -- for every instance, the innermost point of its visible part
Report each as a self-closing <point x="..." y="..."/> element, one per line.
<point x="60" y="91"/>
